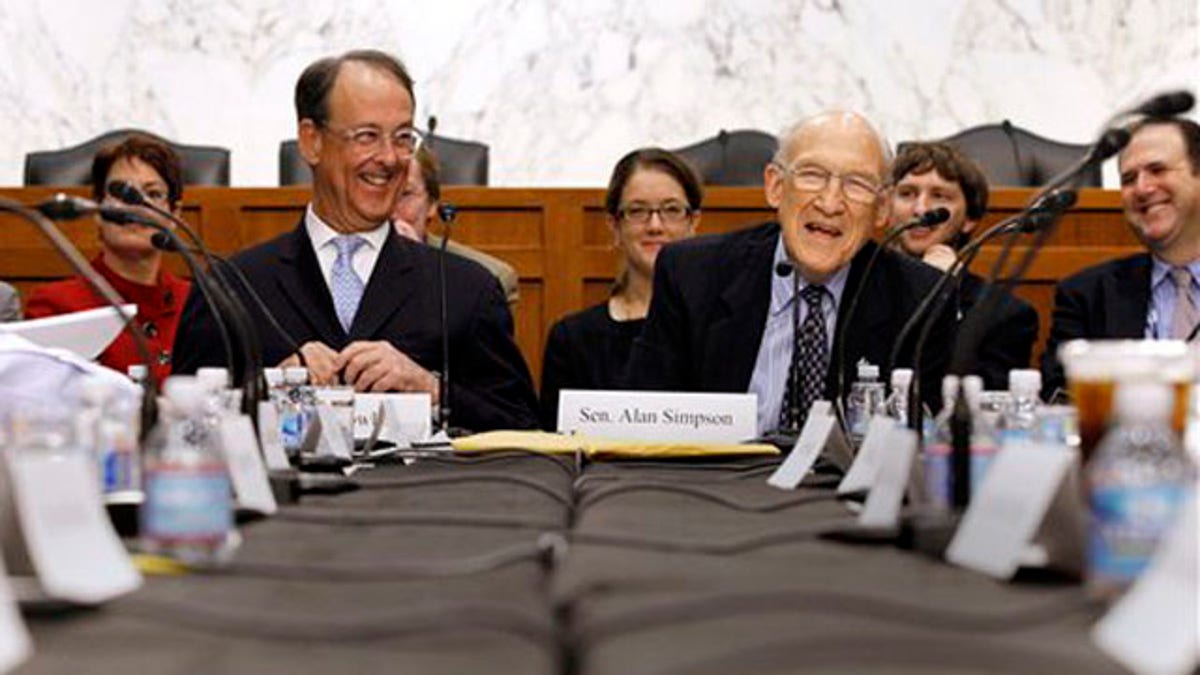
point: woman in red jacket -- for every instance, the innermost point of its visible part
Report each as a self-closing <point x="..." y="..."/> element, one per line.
<point x="127" y="258"/>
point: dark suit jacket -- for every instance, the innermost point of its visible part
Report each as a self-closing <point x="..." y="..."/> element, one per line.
<point x="709" y="311"/>
<point x="1008" y="340"/>
<point x="490" y="385"/>
<point x="1109" y="300"/>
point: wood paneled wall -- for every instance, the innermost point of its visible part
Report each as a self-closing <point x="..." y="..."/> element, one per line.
<point x="556" y="238"/>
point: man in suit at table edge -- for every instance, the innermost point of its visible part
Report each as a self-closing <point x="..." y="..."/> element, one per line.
<point x="363" y="302"/>
<point x="721" y="315"/>
<point x="1155" y="294"/>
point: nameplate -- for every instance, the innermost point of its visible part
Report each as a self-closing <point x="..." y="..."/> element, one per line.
<point x="818" y="427"/>
<point x="659" y="416"/>
<point x="271" y="438"/>
<point x="333" y="436"/>
<point x="247" y="473"/>
<point x="406" y="417"/>
<point x="1153" y="627"/>
<point x="882" y="508"/>
<point x="15" y="643"/>
<point x="870" y="457"/>
<point x="1012" y="503"/>
<point x="68" y="536"/>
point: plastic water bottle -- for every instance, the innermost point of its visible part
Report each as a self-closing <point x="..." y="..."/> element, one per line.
<point x="298" y="407"/>
<point x="107" y="425"/>
<point x="939" y="446"/>
<point x="983" y="432"/>
<point x="896" y="405"/>
<point x="866" y="396"/>
<point x="1020" y="421"/>
<point x="188" y="509"/>
<point x="1138" y="481"/>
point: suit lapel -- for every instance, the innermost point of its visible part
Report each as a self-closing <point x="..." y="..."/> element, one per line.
<point x="392" y="284"/>
<point x="737" y="332"/>
<point x="1130" y="300"/>
<point x="302" y="283"/>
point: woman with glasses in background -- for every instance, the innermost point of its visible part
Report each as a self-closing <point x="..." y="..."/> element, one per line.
<point x="653" y="199"/>
<point x="128" y="259"/>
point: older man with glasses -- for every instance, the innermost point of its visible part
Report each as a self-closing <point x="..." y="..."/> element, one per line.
<point x="362" y="302"/>
<point x="729" y="316"/>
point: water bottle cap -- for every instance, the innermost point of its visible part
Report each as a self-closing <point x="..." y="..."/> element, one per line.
<point x="867" y="370"/>
<point x="1143" y="400"/>
<point x="901" y="378"/>
<point x="213" y="378"/>
<point x="949" y="388"/>
<point x="295" y="375"/>
<point x="185" y="392"/>
<point x="1024" y="380"/>
<point x="273" y="376"/>
<point x="137" y="372"/>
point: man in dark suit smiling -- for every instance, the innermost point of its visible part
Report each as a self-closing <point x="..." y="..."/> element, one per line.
<point x="362" y="302"/>
<point x="722" y="317"/>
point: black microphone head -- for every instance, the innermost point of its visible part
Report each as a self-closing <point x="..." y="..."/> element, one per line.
<point x="784" y="269"/>
<point x="1061" y="200"/>
<point x="447" y="212"/>
<point x="126" y="193"/>
<point x="1167" y="104"/>
<point x="62" y="207"/>
<point x="162" y="242"/>
<point x="1111" y="142"/>
<point x="935" y="217"/>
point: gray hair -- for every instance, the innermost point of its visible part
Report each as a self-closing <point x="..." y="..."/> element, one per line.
<point x="790" y="131"/>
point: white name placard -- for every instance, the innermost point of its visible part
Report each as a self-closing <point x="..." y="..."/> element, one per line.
<point x="15" y="643"/>
<point x="870" y="457"/>
<point x="271" y="438"/>
<point x="1016" y="496"/>
<point x="251" y="488"/>
<point x="882" y="508"/>
<point x="659" y="416"/>
<point x="67" y="533"/>
<point x="813" y="438"/>
<point x="333" y="438"/>
<point x="406" y="418"/>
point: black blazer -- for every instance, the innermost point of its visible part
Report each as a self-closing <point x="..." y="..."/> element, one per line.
<point x="709" y="311"/>
<point x="490" y="385"/>
<point x="1109" y="300"/>
<point x="1009" y="336"/>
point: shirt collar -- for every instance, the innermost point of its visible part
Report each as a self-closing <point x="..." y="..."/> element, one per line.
<point x="322" y="234"/>
<point x="1161" y="270"/>
<point x="781" y="287"/>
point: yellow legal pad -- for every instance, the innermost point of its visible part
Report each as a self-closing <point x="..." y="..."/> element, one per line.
<point x="600" y="448"/>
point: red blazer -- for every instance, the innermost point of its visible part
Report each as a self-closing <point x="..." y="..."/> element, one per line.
<point x="159" y="308"/>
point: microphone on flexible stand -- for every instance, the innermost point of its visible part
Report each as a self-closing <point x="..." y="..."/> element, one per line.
<point x="66" y="207"/>
<point x="64" y="247"/>
<point x="931" y="218"/>
<point x="163" y="242"/>
<point x="447" y="212"/>
<point x="1007" y="127"/>
<point x="785" y="269"/>
<point x="250" y="376"/>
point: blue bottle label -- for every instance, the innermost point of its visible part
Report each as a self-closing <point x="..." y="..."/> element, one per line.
<point x="185" y="505"/>
<point x="1127" y="524"/>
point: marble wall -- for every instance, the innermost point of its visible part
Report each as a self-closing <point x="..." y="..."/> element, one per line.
<point x="560" y="89"/>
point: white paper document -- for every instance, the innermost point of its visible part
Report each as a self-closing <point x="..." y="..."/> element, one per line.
<point x="85" y="333"/>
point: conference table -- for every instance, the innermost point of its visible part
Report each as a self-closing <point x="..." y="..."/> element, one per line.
<point x="515" y="562"/>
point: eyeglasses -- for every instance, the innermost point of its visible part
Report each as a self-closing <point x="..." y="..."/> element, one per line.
<point x="672" y="213"/>
<point x="371" y="139"/>
<point x="812" y="178"/>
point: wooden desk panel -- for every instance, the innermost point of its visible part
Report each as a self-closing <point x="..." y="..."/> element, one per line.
<point x="558" y="239"/>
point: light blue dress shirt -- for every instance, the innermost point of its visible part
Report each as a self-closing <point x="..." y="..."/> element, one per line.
<point x="769" y="379"/>
<point x="1162" y="298"/>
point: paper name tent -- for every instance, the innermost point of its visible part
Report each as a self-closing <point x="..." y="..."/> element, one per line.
<point x="85" y="333"/>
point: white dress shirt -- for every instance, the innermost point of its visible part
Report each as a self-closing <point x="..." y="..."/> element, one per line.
<point x="365" y="257"/>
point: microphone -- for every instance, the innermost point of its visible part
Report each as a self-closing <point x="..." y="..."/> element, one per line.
<point x="1166" y="104"/>
<point x="161" y="241"/>
<point x="784" y="269"/>
<point x="67" y="207"/>
<point x="217" y="294"/>
<point x="931" y="218"/>
<point x="447" y="216"/>
<point x="64" y="247"/>
<point x="1007" y="127"/>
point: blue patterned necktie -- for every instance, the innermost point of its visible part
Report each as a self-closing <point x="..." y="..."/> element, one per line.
<point x="344" y="283"/>
<point x="810" y="360"/>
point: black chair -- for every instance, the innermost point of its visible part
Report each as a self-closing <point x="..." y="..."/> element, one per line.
<point x="460" y="162"/>
<point x="202" y="164"/>
<point x="731" y="157"/>
<point x="1012" y="156"/>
